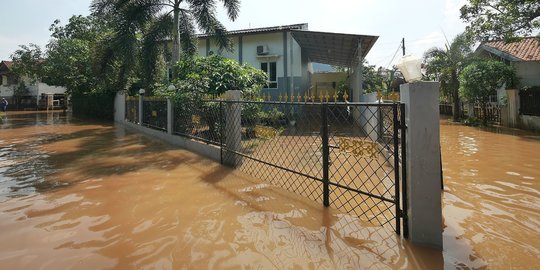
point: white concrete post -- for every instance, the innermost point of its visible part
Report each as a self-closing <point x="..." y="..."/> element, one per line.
<point x="423" y="162"/>
<point x="369" y="116"/>
<point x="233" y="128"/>
<point x="470" y="109"/>
<point x="170" y="117"/>
<point x="120" y="107"/>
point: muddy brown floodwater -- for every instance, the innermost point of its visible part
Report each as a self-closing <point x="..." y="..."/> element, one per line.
<point x="87" y="195"/>
<point x="492" y="197"/>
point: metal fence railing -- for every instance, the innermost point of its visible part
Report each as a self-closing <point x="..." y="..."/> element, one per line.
<point x="529" y="102"/>
<point x="201" y="121"/>
<point x="132" y="109"/>
<point x="345" y="155"/>
<point x="155" y="113"/>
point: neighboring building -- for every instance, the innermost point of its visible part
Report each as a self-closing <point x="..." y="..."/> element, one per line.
<point x="523" y="108"/>
<point x="523" y="55"/>
<point x="286" y="54"/>
<point x="36" y="94"/>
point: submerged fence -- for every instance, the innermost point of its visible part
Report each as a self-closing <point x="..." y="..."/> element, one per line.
<point x="344" y="155"/>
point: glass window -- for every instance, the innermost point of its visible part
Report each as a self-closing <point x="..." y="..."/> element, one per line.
<point x="270" y="69"/>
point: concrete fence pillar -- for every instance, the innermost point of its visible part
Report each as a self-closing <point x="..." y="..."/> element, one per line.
<point x="170" y="117"/>
<point x="423" y="162"/>
<point x="233" y="128"/>
<point x="513" y="107"/>
<point x="370" y="117"/>
<point x="470" y="109"/>
<point x="120" y="107"/>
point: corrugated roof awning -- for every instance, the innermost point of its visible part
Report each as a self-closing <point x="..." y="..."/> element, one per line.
<point x="333" y="48"/>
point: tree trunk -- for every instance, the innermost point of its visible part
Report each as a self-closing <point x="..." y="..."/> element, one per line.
<point x="456" y="113"/>
<point x="176" y="34"/>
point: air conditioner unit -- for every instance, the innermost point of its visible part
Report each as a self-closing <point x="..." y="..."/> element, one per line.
<point x="262" y="50"/>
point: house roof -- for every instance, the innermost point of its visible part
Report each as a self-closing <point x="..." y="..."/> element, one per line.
<point x="262" y="30"/>
<point x="7" y="63"/>
<point x="5" y="67"/>
<point x="334" y="48"/>
<point x="527" y="49"/>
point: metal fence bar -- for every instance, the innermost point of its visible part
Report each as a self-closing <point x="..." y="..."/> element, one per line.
<point x="396" y="169"/>
<point x="290" y="144"/>
<point x="274" y="165"/>
<point x="326" y="155"/>
<point x="221" y="131"/>
<point x="404" y="208"/>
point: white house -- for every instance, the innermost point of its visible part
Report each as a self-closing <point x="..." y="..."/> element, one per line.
<point x="37" y="94"/>
<point x="286" y="52"/>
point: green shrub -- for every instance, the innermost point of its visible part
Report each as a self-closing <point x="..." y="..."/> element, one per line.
<point x="471" y="121"/>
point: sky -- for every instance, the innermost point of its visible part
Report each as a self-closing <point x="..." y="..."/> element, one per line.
<point x="423" y="23"/>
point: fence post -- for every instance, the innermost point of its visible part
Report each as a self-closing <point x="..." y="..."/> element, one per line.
<point x="326" y="155"/>
<point x="513" y="107"/>
<point x="141" y="99"/>
<point x="233" y="128"/>
<point x="120" y="107"/>
<point x="423" y="167"/>
<point x="170" y="117"/>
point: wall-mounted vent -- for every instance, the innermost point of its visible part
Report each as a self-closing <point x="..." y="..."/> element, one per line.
<point x="262" y="50"/>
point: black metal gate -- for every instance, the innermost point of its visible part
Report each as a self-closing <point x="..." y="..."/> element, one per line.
<point x="346" y="155"/>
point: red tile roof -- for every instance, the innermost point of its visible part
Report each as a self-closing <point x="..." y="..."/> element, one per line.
<point x="8" y="63"/>
<point x="528" y="49"/>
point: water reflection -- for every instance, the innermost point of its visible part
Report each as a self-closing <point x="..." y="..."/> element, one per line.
<point x="89" y="195"/>
<point x="492" y="215"/>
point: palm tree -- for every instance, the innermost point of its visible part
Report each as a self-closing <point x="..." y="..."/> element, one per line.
<point x="446" y="64"/>
<point x="147" y="24"/>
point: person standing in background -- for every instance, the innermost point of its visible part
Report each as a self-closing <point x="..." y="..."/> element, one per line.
<point x="3" y="104"/>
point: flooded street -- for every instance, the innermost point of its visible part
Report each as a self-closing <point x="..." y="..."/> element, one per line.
<point x="88" y="195"/>
<point x="492" y="197"/>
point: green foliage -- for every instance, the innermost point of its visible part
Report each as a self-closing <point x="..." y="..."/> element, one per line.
<point x="21" y="90"/>
<point x="272" y="117"/>
<point x="69" y="64"/>
<point x="501" y="19"/>
<point x="373" y="79"/>
<point x="445" y="65"/>
<point x="28" y="61"/>
<point x="481" y="79"/>
<point x="471" y="121"/>
<point x="142" y="28"/>
<point x="219" y="74"/>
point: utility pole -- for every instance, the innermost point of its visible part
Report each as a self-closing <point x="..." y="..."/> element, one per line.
<point x="403" y="45"/>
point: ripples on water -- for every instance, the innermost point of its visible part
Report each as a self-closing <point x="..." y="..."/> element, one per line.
<point x="492" y="197"/>
<point x="88" y="196"/>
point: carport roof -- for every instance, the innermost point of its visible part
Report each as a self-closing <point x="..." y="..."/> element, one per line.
<point x="333" y="48"/>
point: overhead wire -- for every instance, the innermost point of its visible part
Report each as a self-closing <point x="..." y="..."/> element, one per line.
<point x="393" y="57"/>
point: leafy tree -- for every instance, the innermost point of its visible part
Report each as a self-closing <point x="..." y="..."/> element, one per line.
<point x="147" y="23"/>
<point x="28" y="61"/>
<point x="373" y="79"/>
<point x="481" y="79"/>
<point x="501" y="19"/>
<point x="198" y="76"/>
<point x="70" y="52"/>
<point x="446" y="64"/>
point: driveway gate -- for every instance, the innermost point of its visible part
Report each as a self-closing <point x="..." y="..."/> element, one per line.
<point x="344" y="155"/>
